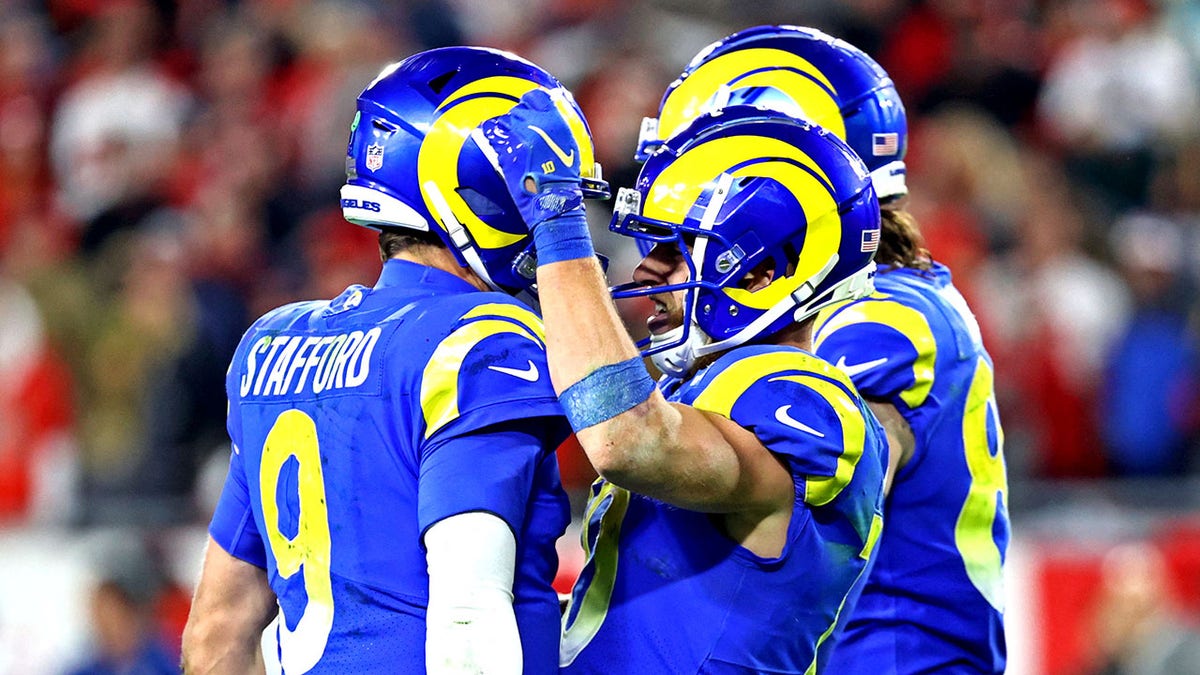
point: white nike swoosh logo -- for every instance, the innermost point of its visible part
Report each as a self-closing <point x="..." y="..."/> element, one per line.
<point x="529" y="374"/>
<point x="568" y="158"/>
<point x="781" y="414"/>
<point x="852" y="370"/>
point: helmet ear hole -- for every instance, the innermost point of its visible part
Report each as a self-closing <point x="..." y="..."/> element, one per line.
<point x="479" y="204"/>
<point x="760" y="276"/>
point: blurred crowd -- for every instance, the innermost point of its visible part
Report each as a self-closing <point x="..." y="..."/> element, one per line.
<point x="170" y="169"/>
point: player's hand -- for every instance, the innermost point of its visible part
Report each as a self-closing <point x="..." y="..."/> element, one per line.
<point x="536" y="153"/>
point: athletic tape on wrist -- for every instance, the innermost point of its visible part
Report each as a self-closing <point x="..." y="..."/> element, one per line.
<point x="606" y="392"/>
<point x="564" y="237"/>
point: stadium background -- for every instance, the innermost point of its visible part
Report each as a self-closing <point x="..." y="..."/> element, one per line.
<point x="169" y="170"/>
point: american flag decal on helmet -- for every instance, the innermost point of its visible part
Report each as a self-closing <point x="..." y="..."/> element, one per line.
<point x="374" y="157"/>
<point x="885" y="144"/>
<point x="870" y="240"/>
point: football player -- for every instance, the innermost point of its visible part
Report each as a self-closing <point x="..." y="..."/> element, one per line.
<point x="935" y="599"/>
<point x="393" y="489"/>
<point x="739" y="504"/>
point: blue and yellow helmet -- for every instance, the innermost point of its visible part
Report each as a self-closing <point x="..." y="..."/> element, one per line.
<point x="411" y="162"/>
<point x="739" y="187"/>
<point x="802" y="72"/>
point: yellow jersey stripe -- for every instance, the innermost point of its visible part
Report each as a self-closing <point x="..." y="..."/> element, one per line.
<point x="720" y="395"/>
<point x="872" y="537"/>
<point x="593" y="607"/>
<point x="723" y="392"/>
<point x="910" y="323"/>
<point x="439" y="381"/>
<point x="820" y="490"/>
<point x="532" y="322"/>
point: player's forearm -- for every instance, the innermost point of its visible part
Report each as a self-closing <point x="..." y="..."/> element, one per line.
<point x="215" y="646"/>
<point x="232" y="605"/>
<point x="901" y="441"/>
<point x="584" y="333"/>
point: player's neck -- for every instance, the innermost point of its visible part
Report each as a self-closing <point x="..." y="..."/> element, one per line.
<point x="439" y="257"/>
<point x="797" y="335"/>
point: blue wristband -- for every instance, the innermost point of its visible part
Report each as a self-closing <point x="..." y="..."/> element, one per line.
<point x="564" y="237"/>
<point x="606" y="392"/>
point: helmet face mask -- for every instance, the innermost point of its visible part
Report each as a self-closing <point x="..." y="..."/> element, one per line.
<point x="801" y="72"/>
<point x="746" y="188"/>
<point x="411" y="162"/>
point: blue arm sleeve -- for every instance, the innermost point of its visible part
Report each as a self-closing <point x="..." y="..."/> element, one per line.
<point x="490" y="470"/>
<point x="232" y="524"/>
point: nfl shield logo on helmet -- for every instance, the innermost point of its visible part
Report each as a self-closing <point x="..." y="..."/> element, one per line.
<point x="374" y="157"/>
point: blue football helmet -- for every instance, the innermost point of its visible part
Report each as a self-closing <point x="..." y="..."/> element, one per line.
<point x="739" y="187"/>
<point x="411" y="162"/>
<point x="804" y="73"/>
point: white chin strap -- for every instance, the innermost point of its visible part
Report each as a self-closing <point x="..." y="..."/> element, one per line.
<point x="677" y="361"/>
<point x="889" y="180"/>
<point x="858" y="285"/>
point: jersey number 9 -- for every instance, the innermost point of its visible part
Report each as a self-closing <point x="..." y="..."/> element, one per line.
<point x="294" y="434"/>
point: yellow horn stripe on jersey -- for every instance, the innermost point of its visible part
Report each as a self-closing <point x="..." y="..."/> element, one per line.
<point x="872" y="537"/>
<point x="824" y="314"/>
<point x="532" y="322"/>
<point x="439" y="381"/>
<point x="720" y="395"/>
<point x="594" y="605"/>
<point x="687" y="101"/>
<point x="908" y="321"/>
<point x="723" y="392"/>
<point x="820" y="490"/>
<point x="438" y="158"/>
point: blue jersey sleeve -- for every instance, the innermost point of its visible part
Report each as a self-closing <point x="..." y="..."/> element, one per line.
<point x="802" y="410"/>
<point x="887" y="348"/>
<point x="490" y="368"/>
<point x="491" y="470"/>
<point x="233" y="526"/>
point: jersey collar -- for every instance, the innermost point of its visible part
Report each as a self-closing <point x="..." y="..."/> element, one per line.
<point x="410" y="275"/>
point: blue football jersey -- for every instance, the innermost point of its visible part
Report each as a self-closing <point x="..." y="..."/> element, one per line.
<point x="665" y="590"/>
<point x="935" y="600"/>
<point x="352" y="422"/>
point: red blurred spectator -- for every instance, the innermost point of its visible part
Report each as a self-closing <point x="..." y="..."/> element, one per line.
<point x="36" y="413"/>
